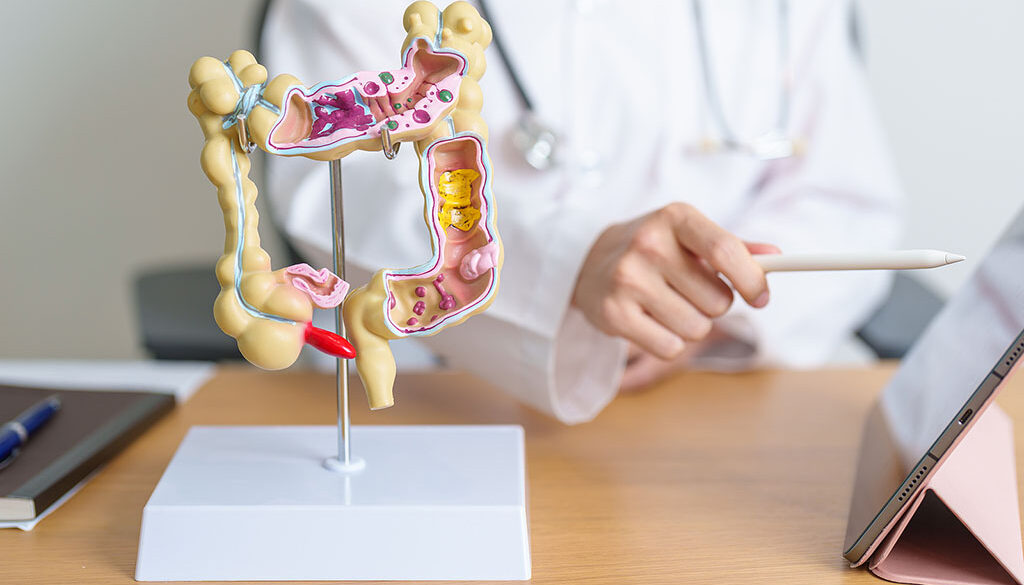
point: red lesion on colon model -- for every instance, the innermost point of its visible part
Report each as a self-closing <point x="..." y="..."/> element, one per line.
<point x="346" y="114"/>
<point x="306" y="117"/>
<point x="429" y="297"/>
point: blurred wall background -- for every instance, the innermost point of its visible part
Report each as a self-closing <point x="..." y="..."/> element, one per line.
<point x="99" y="171"/>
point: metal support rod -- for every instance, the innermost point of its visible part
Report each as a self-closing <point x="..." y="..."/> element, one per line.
<point x="338" y="229"/>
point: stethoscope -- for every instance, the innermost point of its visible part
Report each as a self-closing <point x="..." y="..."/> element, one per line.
<point x="538" y="143"/>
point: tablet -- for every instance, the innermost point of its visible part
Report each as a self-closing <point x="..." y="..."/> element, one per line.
<point x="945" y="382"/>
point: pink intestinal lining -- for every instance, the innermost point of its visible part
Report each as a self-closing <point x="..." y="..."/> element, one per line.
<point x="322" y="286"/>
<point x="337" y="118"/>
<point x="449" y="297"/>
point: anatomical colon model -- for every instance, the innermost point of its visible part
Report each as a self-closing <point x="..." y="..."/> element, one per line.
<point x="434" y="100"/>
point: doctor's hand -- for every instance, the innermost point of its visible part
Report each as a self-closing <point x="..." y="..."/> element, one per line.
<point x="657" y="280"/>
<point x="644" y="369"/>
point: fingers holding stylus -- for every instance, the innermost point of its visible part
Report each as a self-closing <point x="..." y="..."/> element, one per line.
<point x="648" y="333"/>
<point x="658" y="280"/>
<point x="694" y="280"/>
<point x="722" y="250"/>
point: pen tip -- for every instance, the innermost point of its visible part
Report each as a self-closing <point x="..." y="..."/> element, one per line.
<point x="954" y="258"/>
<point x="54" y="401"/>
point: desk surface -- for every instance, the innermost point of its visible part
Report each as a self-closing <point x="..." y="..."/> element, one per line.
<point x="704" y="479"/>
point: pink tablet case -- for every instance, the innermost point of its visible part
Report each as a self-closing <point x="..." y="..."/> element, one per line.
<point x="963" y="527"/>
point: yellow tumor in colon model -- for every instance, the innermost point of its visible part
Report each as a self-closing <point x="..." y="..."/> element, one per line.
<point x="456" y="187"/>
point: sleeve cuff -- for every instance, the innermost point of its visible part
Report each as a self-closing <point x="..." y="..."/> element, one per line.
<point x="586" y="369"/>
<point x="571" y="376"/>
<point x="583" y="366"/>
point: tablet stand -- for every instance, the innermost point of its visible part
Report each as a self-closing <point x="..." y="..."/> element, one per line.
<point x="964" y="525"/>
<point x="280" y="503"/>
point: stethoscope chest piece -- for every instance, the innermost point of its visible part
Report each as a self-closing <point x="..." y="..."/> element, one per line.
<point x="767" y="147"/>
<point x="536" y="141"/>
<point x="773" y="146"/>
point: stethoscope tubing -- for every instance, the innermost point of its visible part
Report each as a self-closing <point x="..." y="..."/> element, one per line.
<point x="532" y="124"/>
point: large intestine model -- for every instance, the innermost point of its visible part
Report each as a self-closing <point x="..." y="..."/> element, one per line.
<point x="433" y="100"/>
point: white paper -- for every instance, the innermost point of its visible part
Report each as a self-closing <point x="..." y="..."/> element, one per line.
<point x="27" y="525"/>
<point x="182" y="378"/>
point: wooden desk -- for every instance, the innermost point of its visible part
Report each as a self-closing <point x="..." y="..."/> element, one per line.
<point x="704" y="479"/>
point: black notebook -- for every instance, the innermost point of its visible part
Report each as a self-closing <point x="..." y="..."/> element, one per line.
<point x="88" y="430"/>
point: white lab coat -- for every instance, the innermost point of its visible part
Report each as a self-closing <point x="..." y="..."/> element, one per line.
<point x="621" y="83"/>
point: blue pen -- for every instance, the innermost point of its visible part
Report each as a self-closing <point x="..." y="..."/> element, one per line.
<point x="16" y="433"/>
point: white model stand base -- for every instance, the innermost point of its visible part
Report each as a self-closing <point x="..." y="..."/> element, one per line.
<point x="257" y="503"/>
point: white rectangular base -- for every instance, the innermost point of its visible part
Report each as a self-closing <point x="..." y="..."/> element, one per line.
<point x="256" y="503"/>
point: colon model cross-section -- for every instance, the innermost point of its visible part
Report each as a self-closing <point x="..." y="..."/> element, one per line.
<point x="433" y="100"/>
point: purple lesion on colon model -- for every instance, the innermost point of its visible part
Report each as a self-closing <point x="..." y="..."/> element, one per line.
<point x="336" y="111"/>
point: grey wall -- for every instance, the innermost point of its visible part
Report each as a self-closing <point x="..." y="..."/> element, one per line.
<point x="949" y="89"/>
<point x="99" y="157"/>
<point x="99" y="160"/>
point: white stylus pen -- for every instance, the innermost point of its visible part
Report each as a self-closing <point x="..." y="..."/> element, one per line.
<point x="887" y="260"/>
